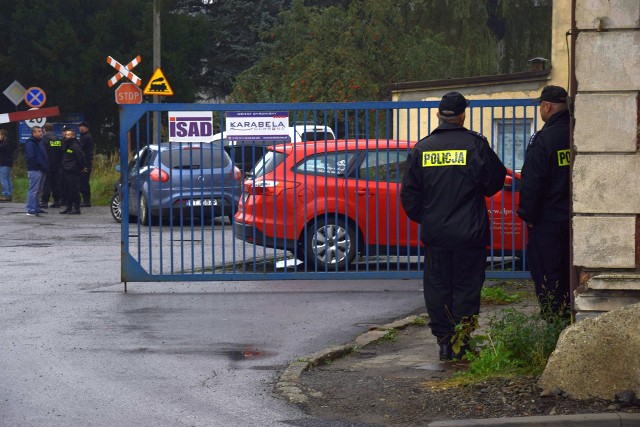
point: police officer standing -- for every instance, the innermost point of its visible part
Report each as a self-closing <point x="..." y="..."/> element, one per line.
<point x="53" y="180"/>
<point x="73" y="165"/>
<point x="86" y="142"/>
<point x="544" y="203"/>
<point x="449" y="174"/>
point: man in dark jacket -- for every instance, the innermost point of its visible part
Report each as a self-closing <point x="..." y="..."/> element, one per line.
<point x="7" y="154"/>
<point x="37" y="165"/>
<point x="73" y="165"/>
<point x="544" y="203"/>
<point x="52" y="183"/>
<point x="86" y="142"/>
<point x="449" y="174"/>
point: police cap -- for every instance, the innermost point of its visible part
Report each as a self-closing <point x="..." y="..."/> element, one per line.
<point x="554" y="94"/>
<point x="452" y="104"/>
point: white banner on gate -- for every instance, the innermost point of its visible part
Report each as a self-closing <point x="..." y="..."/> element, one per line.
<point x="190" y="126"/>
<point x="257" y="125"/>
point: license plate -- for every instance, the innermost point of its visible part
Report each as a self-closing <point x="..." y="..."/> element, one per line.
<point x="205" y="202"/>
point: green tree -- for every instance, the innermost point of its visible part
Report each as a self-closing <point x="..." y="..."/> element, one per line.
<point x="351" y="53"/>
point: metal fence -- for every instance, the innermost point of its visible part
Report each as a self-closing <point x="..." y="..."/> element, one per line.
<point x="322" y="205"/>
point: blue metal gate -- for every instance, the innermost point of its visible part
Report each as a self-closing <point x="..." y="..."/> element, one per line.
<point x="323" y="204"/>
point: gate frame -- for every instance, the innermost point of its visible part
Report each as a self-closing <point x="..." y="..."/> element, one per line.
<point x="130" y="114"/>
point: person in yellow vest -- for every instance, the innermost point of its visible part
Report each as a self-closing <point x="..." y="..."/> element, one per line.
<point x="449" y="174"/>
<point x="73" y="165"/>
<point x="545" y="205"/>
<point x="53" y="180"/>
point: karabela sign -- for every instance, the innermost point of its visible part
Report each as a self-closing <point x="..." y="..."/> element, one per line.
<point x="257" y="125"/>
<point x="190" y="126"/>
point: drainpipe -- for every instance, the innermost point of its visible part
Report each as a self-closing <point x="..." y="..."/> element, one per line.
<point x="574" y="281"/>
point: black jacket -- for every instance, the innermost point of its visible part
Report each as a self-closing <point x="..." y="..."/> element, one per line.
<point x="7" y="152"/>
<point x="86" y="142"/>
<point x="53" y="144"/>
<point x="448" y="176"/>
<point x="72" y="157"/>
<point x="544" y="191"/>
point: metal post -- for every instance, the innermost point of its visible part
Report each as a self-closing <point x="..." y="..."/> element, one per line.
<point x="156" y="65"/>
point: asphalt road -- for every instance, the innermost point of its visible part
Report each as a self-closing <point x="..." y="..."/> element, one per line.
<point x="77" y="350"/>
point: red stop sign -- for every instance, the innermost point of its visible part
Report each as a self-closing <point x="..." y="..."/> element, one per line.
<point x="128" y="93"/>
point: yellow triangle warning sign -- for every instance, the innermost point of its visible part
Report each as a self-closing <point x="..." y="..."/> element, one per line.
<point x="158" y="85"/>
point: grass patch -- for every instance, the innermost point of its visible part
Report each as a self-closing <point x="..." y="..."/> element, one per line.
<point x="103" y="178"/>
<point x="498" y="295"/>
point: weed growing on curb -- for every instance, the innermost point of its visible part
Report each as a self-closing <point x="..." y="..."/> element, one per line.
<point x="515" y="344"/>
<point x="419" y="321"/>
<point x="391" y="335"/>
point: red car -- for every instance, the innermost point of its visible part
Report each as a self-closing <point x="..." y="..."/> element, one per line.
<point x="329" y="202"/>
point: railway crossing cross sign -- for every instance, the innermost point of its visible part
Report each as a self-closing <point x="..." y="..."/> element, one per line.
<point x="124" y="71"/>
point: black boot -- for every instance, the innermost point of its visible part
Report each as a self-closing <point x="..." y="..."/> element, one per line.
<point x="446" y="352"/>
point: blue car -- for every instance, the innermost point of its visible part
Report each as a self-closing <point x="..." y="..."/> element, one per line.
<point x="174" y="181"/>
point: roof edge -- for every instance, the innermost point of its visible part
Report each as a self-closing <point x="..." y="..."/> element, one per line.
<point x="467" y="81"/>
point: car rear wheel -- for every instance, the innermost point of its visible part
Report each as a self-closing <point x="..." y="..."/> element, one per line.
<point x="145" y="216"/>
<point x="331" y="244"/>
<point x="116" y="207"/>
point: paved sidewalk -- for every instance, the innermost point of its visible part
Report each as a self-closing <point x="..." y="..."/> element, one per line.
<point x="418" y="359"/>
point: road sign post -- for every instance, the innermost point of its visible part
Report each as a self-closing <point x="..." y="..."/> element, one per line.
<point x="128" y="93"/>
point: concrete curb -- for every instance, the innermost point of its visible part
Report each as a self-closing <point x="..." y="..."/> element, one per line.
<point x="287" y="383"/>
<point x="614" y="419"/>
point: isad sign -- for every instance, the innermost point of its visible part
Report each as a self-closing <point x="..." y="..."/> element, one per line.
<point x="128" y="93"/>
<point x="190" y="126"/>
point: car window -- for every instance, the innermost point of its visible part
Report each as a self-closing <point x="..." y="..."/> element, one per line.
<point x="138" y="161"/>
<point x="197" y="157"/>
<point x="316" y="136"/>
<point x="333" y="163"/>
<point x="267" y="163"/>
<point x="383" y="165"/>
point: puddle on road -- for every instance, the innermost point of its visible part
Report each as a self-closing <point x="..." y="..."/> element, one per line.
<point x="244" y="354"/>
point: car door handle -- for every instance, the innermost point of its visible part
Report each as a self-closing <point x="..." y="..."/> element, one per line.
<point x="365" y="192"/>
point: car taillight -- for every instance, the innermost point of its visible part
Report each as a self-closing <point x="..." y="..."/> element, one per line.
<point x="159" y="175"/>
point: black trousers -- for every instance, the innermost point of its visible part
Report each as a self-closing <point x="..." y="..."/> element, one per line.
<point x="71" y="185"/>
<point x="452" y="282"/>
<point x="85" y="187"/>
<point x="548" y="259"/>
<point x="52" y="186"/>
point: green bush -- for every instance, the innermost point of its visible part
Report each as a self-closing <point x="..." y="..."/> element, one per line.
<point x="515" y="343"/>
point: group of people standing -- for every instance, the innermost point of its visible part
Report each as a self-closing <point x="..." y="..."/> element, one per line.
<point x="448" y="200"/>
<point x="58" y="168"/>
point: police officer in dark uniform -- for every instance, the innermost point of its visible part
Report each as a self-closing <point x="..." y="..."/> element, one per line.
<point x="86" y="142"/>
<point x="545" y="206"/>
<point x="449" y="174"/>
<point x="53" y="181"/>
<point x="73" y="164"/>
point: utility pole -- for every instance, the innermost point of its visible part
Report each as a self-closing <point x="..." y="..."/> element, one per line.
<point x="156" y="64"/>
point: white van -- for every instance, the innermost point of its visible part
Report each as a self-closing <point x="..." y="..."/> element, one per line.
<point x="302" y="133"/>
